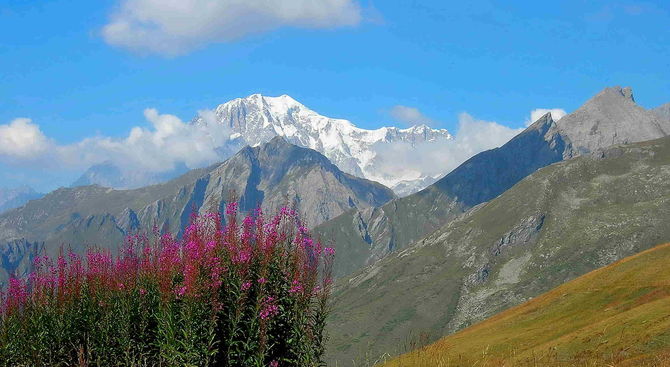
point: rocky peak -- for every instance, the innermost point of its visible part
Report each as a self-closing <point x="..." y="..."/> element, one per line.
<point x="544" y="121"/>
<point x="628" y="93"/>
<point x="616" y="91"/>
<point x="611" y="117"/>
<point x="278" y="143"/>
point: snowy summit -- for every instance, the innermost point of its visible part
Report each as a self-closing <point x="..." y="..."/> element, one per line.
<point x="257" y="119"/>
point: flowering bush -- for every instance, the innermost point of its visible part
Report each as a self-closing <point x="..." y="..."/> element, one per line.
<point x="245" y="294"/>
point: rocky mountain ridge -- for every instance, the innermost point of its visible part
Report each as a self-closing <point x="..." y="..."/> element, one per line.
<point x="270" y="175"/>
<point x="610" y="117"/>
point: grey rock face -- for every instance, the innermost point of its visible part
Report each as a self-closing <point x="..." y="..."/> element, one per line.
<point x="663" y="111"/>
<point x="270" y="176"/>
<point x="611" y="117"/>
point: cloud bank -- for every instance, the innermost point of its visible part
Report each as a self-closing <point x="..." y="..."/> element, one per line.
<point x="167" y="144"/>
<point x="440" y="157"/>
<point x="160" y="148"/>
<point x="174" y="27"/>
<point x="410" y="116"/>
<point x="21" y="139"/>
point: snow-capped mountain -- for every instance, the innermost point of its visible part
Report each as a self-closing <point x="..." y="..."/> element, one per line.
<point x="257" y="119"/>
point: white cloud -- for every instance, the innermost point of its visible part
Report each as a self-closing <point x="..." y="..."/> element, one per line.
<point x="556" y="114"/>
<point x="173" y="27"/>
<point x="21" y="139"/>
<point x="168" y="142"/>
<point x="440" y="157"/>
<point x="410" y="115"/>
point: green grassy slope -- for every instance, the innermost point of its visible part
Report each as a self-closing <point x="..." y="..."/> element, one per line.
<point x="557" y="224"/>
<point x="616" y="315"/>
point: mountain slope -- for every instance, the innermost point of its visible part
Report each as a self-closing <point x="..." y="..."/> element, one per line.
<point x="614" y="315"/>
<point x="257" y="119"/>
<point x="663" y="111"/>
<point x="560" y="222"/>
<point x="365" y="236"/>
<point x="108" y="174"/>
<point x="271" y="175"/>
<point x="14" y="198"/>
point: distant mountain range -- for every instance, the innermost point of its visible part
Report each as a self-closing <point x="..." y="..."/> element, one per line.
<point x="16" y="197"/>
<point x="257" y="119"/>
<point x="558" y="223"/>
<point x="270" y="175"/>
<point x="107" y="174"/>
<point x="610" y="117"/>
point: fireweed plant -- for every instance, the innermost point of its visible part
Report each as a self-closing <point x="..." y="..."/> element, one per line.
<point x="249" y="293"/>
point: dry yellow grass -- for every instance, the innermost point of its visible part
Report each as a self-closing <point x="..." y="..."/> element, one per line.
<point x="618" y="315"/>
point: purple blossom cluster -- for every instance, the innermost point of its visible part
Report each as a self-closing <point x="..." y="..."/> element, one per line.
<point x="255" y="277"/>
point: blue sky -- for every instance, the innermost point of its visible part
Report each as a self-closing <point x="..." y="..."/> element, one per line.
<point x="494" y="60"/>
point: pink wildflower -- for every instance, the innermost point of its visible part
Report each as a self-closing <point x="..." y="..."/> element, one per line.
<point x="231" y="209"/>
<point x="269" y="310"/>
<point x="296" y="287"/>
